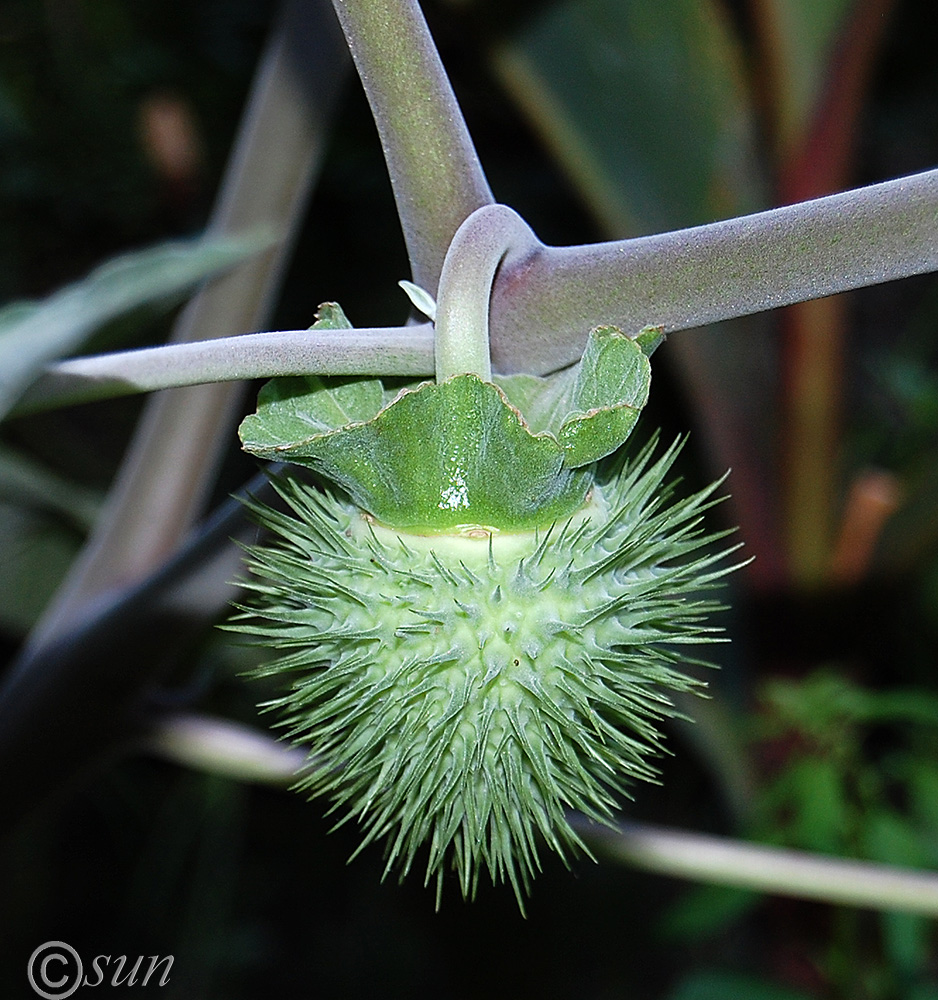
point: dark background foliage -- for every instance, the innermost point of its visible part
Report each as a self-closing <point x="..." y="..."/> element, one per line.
<point x="116" y="118"/>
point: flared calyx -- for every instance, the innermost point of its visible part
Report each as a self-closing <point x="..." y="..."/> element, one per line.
<point x="512" y="453"/>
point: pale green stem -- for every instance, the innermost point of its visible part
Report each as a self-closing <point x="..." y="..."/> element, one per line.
<point x="767" y="869"/>
<point x="226" y="748"/>
<point x="489" y="236"/>
<point x="406" y="350"/>
<point x="544" y="306"/>
<point x="220" y="746"/>
<point x="435" y="172"/>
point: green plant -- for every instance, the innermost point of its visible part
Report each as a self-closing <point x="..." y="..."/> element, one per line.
<point x="484" y="638"/>
<point x="541" y="303"/>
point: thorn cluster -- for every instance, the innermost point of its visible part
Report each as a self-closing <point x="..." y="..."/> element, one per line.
<point x="464" y="692"/>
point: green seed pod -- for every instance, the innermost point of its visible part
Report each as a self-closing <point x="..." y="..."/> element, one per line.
<point x="475" y="633"/>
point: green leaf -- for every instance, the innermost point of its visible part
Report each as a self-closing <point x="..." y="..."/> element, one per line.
<point x="32" y="334"/>
<point x="440" y="457"/>
<point x="331" y="316"/>
<point x="591" y="407"/>
<point x="464" y="452"/>
<point x="294" y="411"/>
<point x="707" y="910"/>
<point x="610" y="390"/>
<point x="815" y="798"/>
<point x="29" y="483"/>
<point x="643" y="104"/>
<point x="36" y="549"/>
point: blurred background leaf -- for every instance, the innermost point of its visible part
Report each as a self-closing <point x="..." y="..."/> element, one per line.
<point x="595" y="119"/>
<point x="33" y="333"/>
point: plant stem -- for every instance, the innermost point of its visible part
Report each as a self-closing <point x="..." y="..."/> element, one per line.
<point x="480" y="245"/>
<point x="543" y="306"/>
<point x="224" y="748"/>
<point x="814" y="334"/>
<point x="169" y="468"/>
<point x="406" y="350"/>
<point x="72" y="701"/>
<point x="434" y="169"/>
<point x="767" y="869"/>
<point x="220" y="746"/>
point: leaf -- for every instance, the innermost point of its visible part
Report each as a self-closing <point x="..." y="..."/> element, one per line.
<point x="32" y="334"/>
<point x="36" y="550"/>
<point x="331" y="316"/>
<point x="462" y="452"/>
<point x="707" y="910"/>
<point x="643" y="104"/>
<point x="800" y="35"/>
<point x="818" y="805"/>
<point x="293" y="411"/>
<point x="610" y="390"/>
<point x="439" y="457"/>
<point x="592" y="407"/>
<point x="30" y="483"/>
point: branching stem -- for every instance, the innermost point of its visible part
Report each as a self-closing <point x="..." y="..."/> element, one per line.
<point x="480" y="245"/>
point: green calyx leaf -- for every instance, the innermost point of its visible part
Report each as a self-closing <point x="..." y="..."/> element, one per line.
<point x="441" y="457"/>
<point x="592" y="407"/>
<point x="463" y="453"/>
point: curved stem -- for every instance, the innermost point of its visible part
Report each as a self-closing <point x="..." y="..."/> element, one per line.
<point x="544" y="306"/>
<point x="434" y="169"/>
<point x="405" y="350"/>
<point x="480" y="245"/>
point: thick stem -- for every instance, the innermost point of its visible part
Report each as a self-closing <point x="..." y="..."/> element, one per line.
<point x="170" y="465"/>
<point x="544" y="306"/>
<point x="434" y="169"/>
<point x="480" y="245"/>
<point x="405" y="350"/>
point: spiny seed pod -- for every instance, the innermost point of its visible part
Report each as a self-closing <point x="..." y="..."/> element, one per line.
<point x="470" y="649"/>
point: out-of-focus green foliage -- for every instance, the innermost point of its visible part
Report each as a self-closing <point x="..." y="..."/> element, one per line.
<point x="852" y="772"/>
<point x="607" y="117"/>
<point x="645" y="106"/>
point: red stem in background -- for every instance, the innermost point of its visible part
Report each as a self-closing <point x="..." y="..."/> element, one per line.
<point x="813" y="333"/>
